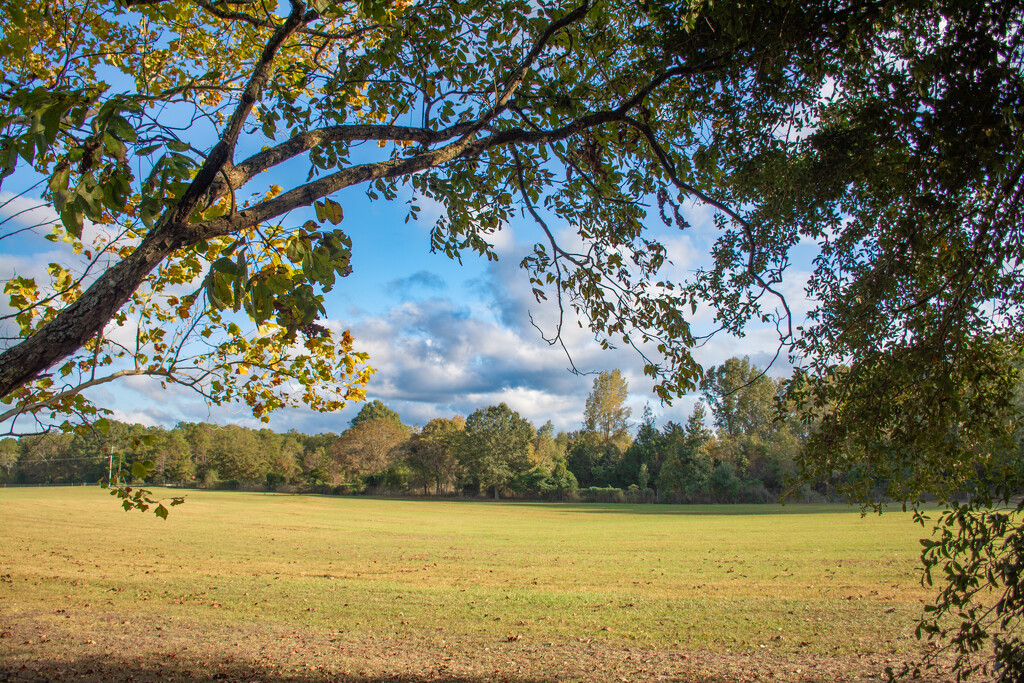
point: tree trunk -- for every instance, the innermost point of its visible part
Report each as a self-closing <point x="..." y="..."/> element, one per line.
<point x="84" y="319"/>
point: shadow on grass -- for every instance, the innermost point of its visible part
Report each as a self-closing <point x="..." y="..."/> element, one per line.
<point x="105" y="670"/>
<point x="656" y="509"/>
<point x="720" y="510"/>
<point x="703" y="509"/>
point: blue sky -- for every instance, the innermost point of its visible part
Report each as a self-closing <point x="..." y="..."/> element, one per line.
<point x="445" y="338"/>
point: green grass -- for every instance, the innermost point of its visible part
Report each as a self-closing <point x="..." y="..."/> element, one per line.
<point x="794" y="581"/>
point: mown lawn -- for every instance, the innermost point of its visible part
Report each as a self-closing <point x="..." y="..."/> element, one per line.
<point x="265" y="586"/>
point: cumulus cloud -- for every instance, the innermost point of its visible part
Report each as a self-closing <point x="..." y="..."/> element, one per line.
<point x="442" y="350"/>
<point x="438" y="356"/>
<point x="442" y="355"/>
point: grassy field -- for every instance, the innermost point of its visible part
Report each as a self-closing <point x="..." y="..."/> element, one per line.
<point x="248" y="586"/>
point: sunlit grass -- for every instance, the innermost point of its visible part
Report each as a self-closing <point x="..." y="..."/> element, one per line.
<point x="797" y="579"/>
<point x="529" y="591"/>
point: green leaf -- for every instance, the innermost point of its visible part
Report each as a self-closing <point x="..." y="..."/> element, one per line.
<point x="72" y="218"/>
<point x="122" y="128"/>
<point x="226" y="265"/>
<point x="139" y="470"/>
<point x="329" y="210"/>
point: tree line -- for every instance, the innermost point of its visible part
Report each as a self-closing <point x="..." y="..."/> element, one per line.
<point x="740" y="448"/>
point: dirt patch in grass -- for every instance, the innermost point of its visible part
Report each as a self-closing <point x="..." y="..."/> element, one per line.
<point x="39" y="647"/>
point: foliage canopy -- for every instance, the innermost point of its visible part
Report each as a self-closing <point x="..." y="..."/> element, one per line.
<point x="886" y="132"/>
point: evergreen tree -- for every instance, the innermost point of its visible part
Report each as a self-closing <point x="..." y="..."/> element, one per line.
<point x="644" y="452"/>
<point x="687" y="465"/>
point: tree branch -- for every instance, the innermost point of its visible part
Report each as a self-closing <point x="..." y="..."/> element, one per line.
<point x="87" y="316"/>
<point x="223" y="151"/>
<point x="96" y="381"/>
<point x="241" y="173"/>
<point x="83" y="319"/>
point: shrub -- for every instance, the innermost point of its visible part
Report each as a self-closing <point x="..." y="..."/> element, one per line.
<point x="603" y="494"/>
<point x="210" y="478"/>
<point x="754" y="491"/>
<point x="635" y="494"/>
<point x="725" y="485"/>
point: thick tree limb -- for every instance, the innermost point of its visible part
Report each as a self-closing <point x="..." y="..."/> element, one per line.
<point x="223" y="151"/>
<point x="241" y="173"/>
<point x="86" y="317"/>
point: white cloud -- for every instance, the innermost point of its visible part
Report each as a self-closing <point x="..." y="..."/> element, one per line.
<point x="25" y="211"/>
<point x="443" y="347"/>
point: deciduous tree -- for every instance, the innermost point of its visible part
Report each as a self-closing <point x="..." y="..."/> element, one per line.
<point x="366" y="447"/>
<point x="886" y="135"/>
<point x="434" y="452"/>
<point x="741" y="397"/>
<point x="375" y="410"/>
<point x="496" y="447"/>
<point x="606" y="413"/>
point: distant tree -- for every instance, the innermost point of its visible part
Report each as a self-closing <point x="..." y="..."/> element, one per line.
<point x="270" y="447"/>
<point x="366" y="447"/>
<point x="236" y="454"/>
<point x="561" y="482"/>
<point x="644" y="452"/>
<point x="375" y="410"/>
<point x="563" y="441"/>
<point x="497" y="447"/>
<point x="316" y="464"/>
<point x="687" y="463"/>
<point x="776" y="462"/>
<point x="289" y="461"/>
<point x="741" y="397"/>
<point x="43" y="458"/>
<point x="172" y="457"/>
<point x="8" y="457"/>
<point x="551" y="480"/>
<point x="546" y="449"/>
<point x="643" y="477"/>
<point x="697" y="432"/>
<point x="585" y="454"/>
<point x="433" y="453"/>
<point x="605" y="471"/>
<point x="199" y="437"/>
<point x="724" y="483"/>
<point x="606" y="413"/>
